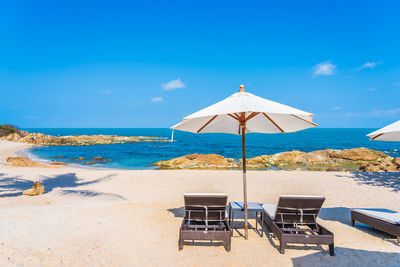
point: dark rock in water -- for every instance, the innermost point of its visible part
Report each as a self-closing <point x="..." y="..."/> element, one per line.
<point x="98" y="160"/>
<point x="58" y="156"/>
<point x="80" y="158"/>
<point x="101" y="160"/>
<point x="58" y="163"/>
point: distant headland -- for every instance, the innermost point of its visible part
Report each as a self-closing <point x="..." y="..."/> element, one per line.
<point x="11" y="133"/>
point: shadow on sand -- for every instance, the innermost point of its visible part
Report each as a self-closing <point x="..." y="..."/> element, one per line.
<point x="338" y="214"/>
<point x="343" y="215"/>
<point x="68" y="181"/>
<point x="274" y="242"/>
<point x="349" y="257"/>
<point x="389" y="180"/>
<point x="178" y="212"/>
<point x="237" y="224"/>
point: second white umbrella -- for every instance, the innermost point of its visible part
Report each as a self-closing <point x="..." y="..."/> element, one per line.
<point x="388" y="133"/>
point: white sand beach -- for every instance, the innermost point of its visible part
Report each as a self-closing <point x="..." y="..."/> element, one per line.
<point x="10" y="149"/>
<point x="98" y="217"/>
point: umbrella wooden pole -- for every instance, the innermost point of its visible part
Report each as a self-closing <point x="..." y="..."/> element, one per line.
<point x="246" y="228"/>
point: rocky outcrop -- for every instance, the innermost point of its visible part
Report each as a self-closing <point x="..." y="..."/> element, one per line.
<point x="327" y="160"/>
<point x="8" y="129"/>
<point x="260" y="162"/>
<point x="357" y="159"/>
<point x="386" y="165"/>
<point x="362" y="153"/>
<point x="289" y="156"/>
<point x="355" y="154"/>
<point x="198" y="161"/>
<point x="26" y="162"/>
<point x="37" y="189"/>
<point x="39" y="139"/>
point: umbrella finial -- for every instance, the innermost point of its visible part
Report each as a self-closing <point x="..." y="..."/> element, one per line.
<point x="241" y="88"/>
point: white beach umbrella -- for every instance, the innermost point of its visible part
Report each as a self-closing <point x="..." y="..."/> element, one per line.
<point x="388" y="133"/>
<point x="243" y="113"/>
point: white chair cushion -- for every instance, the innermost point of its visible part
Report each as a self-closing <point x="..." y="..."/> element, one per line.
<point x="385" y="215"/>
<point x="270" y="210"/>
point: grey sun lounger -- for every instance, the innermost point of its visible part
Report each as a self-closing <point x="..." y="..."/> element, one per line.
<point x="293" y="220"/>
<point x="205" y="219"/>
<point x="385" y="220"/>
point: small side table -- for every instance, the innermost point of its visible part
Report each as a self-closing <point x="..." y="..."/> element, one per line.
<point x="251" y="207"/>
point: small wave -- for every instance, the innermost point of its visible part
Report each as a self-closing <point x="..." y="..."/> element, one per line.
<point x="27" y="153"/>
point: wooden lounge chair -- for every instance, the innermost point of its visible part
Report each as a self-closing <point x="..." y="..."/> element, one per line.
<point x="387" y="221"/>
<point x="294" y="220"/>
<point x="205" y="219"/>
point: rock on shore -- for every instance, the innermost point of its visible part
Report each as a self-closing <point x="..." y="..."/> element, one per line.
<point x="356" y="159"/>
<point x="26" y="162"/>
<point x="198" y="161"/>
<point x="39" y="139"/>
<point x="329" y="159"/>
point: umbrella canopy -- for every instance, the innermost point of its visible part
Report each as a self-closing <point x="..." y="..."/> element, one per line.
<point x="388" y="133"/>
<point x="243" y="113"/>
<point x="262" y="116"/>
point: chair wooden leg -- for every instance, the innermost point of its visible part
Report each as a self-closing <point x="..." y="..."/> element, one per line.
<point x="227" y="244"/>
<point x="282" y="247"/>
<point x="332" y="249"/>
<point x="180" y="243"/>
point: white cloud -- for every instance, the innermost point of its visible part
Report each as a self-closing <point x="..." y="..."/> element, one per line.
<point x="324" y="68"/>
<point x="369" y="65"/>
<point x="337" y="108"/>
<point x="106" y="92"/>
<point x="156" y="99"/>
<point x="173" y="85"/>
<point x="376" y="113"/>
<point x="396" y="84"/>
<point x="384" y="112"/>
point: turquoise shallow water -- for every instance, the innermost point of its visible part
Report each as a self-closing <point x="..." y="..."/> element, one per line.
<point x="140" y="155"/>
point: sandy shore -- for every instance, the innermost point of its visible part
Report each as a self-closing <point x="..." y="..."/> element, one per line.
<point x="10" y="149"/>
<point x="90" y="217"/>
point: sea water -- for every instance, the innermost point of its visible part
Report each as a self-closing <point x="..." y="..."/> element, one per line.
<point x="141" y="154"/>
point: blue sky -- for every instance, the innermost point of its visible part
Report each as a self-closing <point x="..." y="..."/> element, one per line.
<point x="149" y="64"/>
